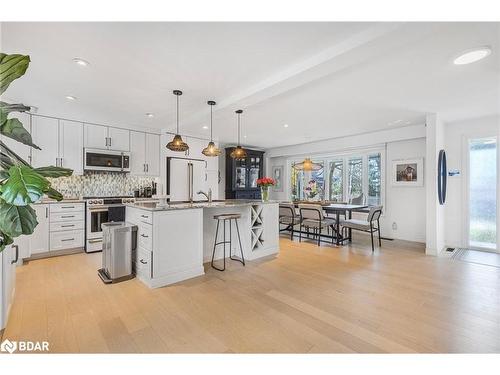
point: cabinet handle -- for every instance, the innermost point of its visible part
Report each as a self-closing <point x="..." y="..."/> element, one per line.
<point x="143" y="262"/>
<point x="67" y="216"/>
<point x="143" y="235"/>
<point x="68" y="239"/>
<point x="61" y="162"/>
<point x="46" y="212"/>
<point x="67" y="226"/>
<point x="67" y="206"/>
<point x="95" y="241"/>
<point x="17" y="254"/>
<point x="144" y="216"/>
<point x="147" y="167"/>
<point x="109" y="141"/>
<point x="144" y="167"/>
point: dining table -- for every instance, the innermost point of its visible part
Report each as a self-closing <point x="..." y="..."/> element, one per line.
<point x="338" y="209"/>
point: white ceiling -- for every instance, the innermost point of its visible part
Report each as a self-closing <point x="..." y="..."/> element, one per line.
<point x="322" y="79"/>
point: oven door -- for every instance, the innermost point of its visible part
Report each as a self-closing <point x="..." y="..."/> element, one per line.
<point x="99" y="160"/>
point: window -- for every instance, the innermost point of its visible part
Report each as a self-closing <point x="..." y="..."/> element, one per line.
<point x="308" y="185"/>
<point x="337" y="180"/>
<point x="374" y="180"/>
<point x="342" y="179"/>
<point x="355" y="178"/>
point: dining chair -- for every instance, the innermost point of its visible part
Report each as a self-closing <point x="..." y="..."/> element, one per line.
<point x="312" y="216"/>
<point x="288" y="217"/>
<point x="357" y="200"/>
<point x="367" y="225"/>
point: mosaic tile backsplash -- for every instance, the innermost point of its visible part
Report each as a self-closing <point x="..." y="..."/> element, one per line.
<point x="95" y="184"/>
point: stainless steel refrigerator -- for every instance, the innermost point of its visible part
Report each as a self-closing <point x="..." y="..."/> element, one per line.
<point x="185" y="177"/>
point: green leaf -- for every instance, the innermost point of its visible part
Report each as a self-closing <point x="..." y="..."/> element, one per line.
<point x="53" y="172"/>
<point x="7" y="108"/>
<point x="54" y="194"/>
<point x="4" y="174"/>
<point x="5" y="240"/>
<point x="10" y="156"/>
<point x="11" y="68"/>
<point x="16" y="220"/>
<point x="13" y="128"/>
<point x="24" y="186"/>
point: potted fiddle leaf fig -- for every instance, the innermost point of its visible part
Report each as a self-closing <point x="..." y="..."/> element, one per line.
<point x="20" y="184"/>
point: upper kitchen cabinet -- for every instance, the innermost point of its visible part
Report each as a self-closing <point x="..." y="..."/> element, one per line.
<point x="106" y="138"/>
<point x="61" y="143"/>
<point x="152" y="154"/>
<point x="144" y="154"/>
<point x="45" y="134"/>
<point x="20" y="149"/>
<point x="119" y="139"/>
<point x="71" y="145"/>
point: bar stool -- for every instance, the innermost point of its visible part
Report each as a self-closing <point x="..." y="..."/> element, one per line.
<point x="224" y="218"/>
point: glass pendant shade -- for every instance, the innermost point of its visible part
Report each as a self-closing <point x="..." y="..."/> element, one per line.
<point x="177" y="144"/>
<point x="211" y="149"/>
<point x="307" y="165"/>
<point x="238" y="152"/>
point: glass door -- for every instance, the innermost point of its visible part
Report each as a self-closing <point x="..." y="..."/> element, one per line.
<point x="482" y="197"/>
<point x="240" y="175"/>
<point x="254" y="172"/>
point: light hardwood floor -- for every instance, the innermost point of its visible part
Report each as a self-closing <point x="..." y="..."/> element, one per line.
<point x="309" y="299"/>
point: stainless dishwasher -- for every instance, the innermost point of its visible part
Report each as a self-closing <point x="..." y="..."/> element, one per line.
<point x="119" y="242"/>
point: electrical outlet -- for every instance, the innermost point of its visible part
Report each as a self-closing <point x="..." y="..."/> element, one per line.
<point x="394" y="226"/>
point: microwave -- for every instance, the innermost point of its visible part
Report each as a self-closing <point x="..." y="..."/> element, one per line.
<point x="106" y="160"/>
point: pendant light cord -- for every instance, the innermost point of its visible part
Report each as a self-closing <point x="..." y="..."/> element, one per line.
<point x="177" y="114"/>
<point x="239" y="114"/>
<point x="211" y="123"/>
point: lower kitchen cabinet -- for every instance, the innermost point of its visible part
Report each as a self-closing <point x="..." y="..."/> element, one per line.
<point x="61" y="226"/>
<point x="8" y="259"/>
<point x="39" y="240"/>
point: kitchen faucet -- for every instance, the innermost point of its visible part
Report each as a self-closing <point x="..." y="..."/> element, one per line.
<point x="209" y="195"/>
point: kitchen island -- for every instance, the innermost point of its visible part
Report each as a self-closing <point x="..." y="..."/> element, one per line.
<point x="174" y="241"/>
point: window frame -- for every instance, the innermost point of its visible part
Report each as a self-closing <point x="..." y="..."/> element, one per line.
<point x="345" y="156"/>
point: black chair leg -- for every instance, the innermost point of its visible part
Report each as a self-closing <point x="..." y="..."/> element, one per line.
<point x="215" y="246"/>
<point x="291" y="232"/>
<point x="319" y="235"/>
<point x="332" y="235"/>
<point x="300" y="233"/>
<point x="371" y="233"/>
<point x="379" y="240"/>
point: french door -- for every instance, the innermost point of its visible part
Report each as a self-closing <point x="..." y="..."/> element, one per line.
<point x="482" y="194"/>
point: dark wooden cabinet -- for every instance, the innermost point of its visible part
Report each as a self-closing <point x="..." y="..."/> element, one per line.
<point x="242" y="174"/>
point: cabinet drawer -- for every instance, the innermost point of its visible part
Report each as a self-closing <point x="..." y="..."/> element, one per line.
<point x="146" y="216"/>
<point x="66" y="239"/>
<point x="145" y="236"/>
<point x="67" y="216"/>
<point x="67" y="225"/>
<point x="66" y="207"/>
<point x="143" y="264"/>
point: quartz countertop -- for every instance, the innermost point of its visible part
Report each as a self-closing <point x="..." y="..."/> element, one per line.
<point x="155" y="206"/>
<point x="65" y="200"/>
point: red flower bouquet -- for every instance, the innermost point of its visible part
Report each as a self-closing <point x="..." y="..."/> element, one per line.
<point x="266" y="181"/>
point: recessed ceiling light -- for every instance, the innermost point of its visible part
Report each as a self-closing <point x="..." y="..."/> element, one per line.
<point x="285" y="125"/>
<point x="205" y="127"/>
<point x="150" y="115"/>
<point x="70" y="97"/>
<point x="81" y="62"/>
<point x="472" y="55"/>
<point x="244" y="136"/>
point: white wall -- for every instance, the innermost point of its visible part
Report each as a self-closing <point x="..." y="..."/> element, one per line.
<point x="456" y="135"/>
<point x="404" y="206"/>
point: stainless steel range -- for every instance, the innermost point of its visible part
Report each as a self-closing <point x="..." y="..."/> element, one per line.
<point x="102" y="210"/>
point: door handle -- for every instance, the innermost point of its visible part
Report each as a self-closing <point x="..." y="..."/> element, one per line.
<point x="17" y="254"/>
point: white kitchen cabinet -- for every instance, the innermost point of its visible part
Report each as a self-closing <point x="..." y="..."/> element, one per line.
<point x="39" y="240"/>
<point x="45" y="134"/>
<point x="96" y="136"/>
<point x="152" y="154"/>
<point x="119" y="139"/>
<point x="20" y="149"/>
<point x="106" y="138"/>
<point x="71" y="145"/>
<point x="137" y="153"/>
<point x="8" y="258"/>
<point x="144" y="154"/>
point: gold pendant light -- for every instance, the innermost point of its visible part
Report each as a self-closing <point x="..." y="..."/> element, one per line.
<point x="211" y="149"/>
<point x="307" y="165"/>
<point x="177" y="144"/>
<point x="239" y="152"/>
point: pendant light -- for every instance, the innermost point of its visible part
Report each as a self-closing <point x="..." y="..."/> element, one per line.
<point x="307" y="165"/>
<point x="211" y="150"/>
<point x="177" y="144"/>
<point x="239" y="152"/>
